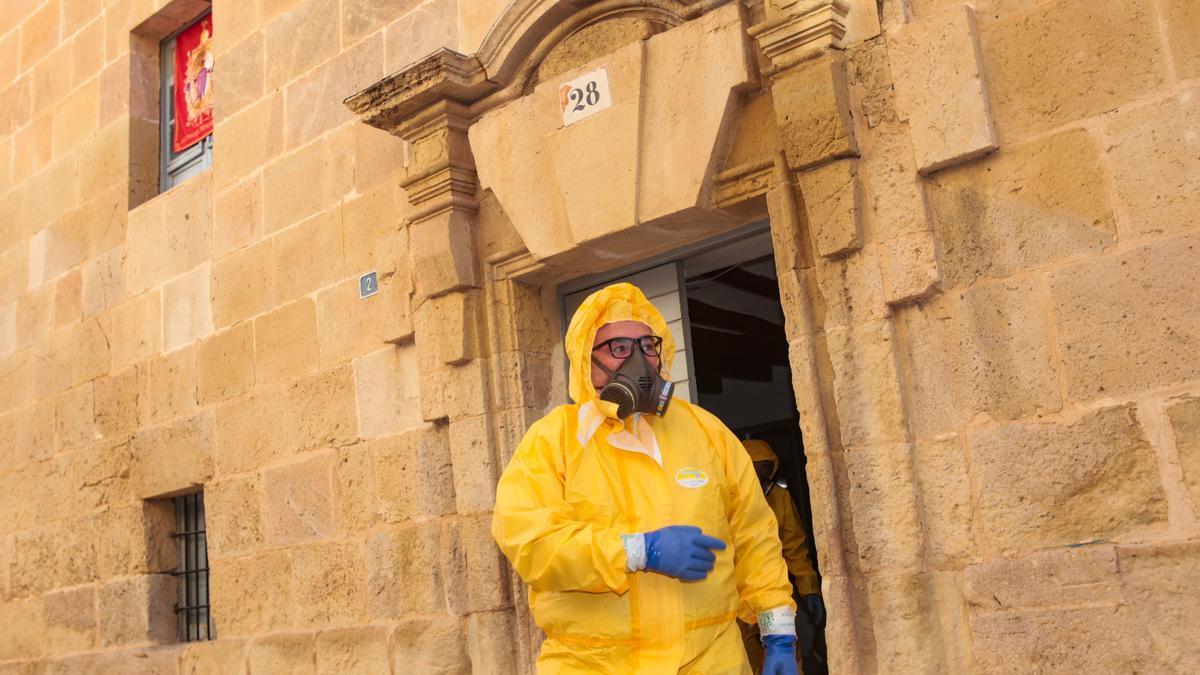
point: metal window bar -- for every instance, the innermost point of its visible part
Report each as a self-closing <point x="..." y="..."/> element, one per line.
<point x="192" y="608"/>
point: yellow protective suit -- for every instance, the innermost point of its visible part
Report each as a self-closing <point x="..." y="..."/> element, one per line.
<point x="562" y="506"/>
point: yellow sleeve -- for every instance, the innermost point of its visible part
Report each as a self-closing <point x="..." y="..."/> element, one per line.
<point x="533" y="526"/>
<point x="758" y="561"/>
<point x="791" y="535"/>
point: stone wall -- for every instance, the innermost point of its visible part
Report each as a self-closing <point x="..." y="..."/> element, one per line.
<point x="986" y="236"/>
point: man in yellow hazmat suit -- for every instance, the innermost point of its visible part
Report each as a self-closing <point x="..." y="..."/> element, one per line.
<point x="792" y="536"/>
<point x="642" y="536"/>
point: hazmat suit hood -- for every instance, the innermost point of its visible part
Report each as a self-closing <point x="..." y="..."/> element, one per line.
<point x="760" y="451"/>
<point x="618" y="302"/>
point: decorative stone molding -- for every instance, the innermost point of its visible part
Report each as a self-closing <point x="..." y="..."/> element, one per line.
<point x="799" y="30"/>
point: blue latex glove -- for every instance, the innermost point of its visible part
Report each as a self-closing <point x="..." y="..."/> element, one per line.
<point x="681" y="551"/>
<point x="780" y="655"/>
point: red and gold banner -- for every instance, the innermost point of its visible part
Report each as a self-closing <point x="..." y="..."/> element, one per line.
<point x="193" y="84"/>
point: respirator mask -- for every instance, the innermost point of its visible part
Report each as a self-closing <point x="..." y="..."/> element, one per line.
<point x="636" y="386"/>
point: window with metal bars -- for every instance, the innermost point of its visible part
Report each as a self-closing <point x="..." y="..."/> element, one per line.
<point x="192" y="609"/>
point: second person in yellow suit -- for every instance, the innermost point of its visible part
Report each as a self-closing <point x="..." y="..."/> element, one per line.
<point x="641" y="537"/>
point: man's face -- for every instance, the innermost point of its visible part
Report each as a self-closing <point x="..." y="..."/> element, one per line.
<point x="765" y="471"/>
<point x="629" y="329"/>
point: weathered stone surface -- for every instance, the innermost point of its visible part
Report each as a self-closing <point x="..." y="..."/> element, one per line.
<point x="883" y="506"/>
<point x="214" y="657"/>
<point x="68" y="299"/>
<point x="910" y="267"/>
<point x="490" y="636"/>
<point x="1159" y="582"/>
<point x="225" y="364"/>
<point x="388" y="391"/>
<point x="171" y="234"/>
<point x="295" y="187"/>
<point x="906" y="640"/>
<point x="839" y="293"/>
<point x="980" y="350"/>
<point x="237" y="216"/>
<point x="476" y="577"/>
<point x="249" y="140"/>
<point x="354" y="69"/>
<point x="1184" y="415"/>
<point x="285" y="342"/>
<point x="26" y="632"/>
<point x="137" y="329"/>
<point x="431" y="644"/>
<point x="951" y="122"/>
<point x="1070" y="481"/>
<point x="35" y="439"/>
<point x="833" y="202"/>
<point x="866" y="384"/>
<point x="1131" y="321"/>
<point x="137" y="610"/>
<point x="1182" y="22"/>
<point x="355" y="488"/>
<point x="944" y="486"/>
<point x="244" y="65"/>
<point x="187" y="309"/>
<point x="284" y="653"/>
<point x="299" y="500"/>
<point x="243" y="442"/>
<point x="170" y="386"/>
<point x="1156" y="165"/>
<point x="297" y="271"/>
<point x="813" y="109"/>
<point x="256" y="593"/>
<point x="372" y="234"/>
<point x="52" y="556"/>
<point x="404" y="571"/>
<point x="70" y="619"/>
<point x="323" y="407"/>
<point x="413" y="474"/>
<point x="350" y="326"/>
<point x="1041" y="76"/>
<point x="242" y="284"/>
<point x="234" y="514"/>
<point x="104" y="281"/>
<point x="329" y="584"/>
<point x="137" y="540"/>
<point x="1053" y="578"/>
<point x="299" y="39"/>
<point x="354" y="650"/>
<point x="1040" y="203"/>
<point x="172" y="457"/>
<point x="473" y="457"/>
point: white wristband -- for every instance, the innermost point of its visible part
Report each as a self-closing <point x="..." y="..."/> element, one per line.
<point x="635" y="552"/>
<point x="778" y="621"/>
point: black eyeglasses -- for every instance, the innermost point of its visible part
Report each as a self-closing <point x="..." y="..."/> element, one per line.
<point x="622" y="347"/>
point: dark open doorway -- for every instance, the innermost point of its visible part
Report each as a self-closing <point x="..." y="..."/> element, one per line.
<point x="741" y="373"/>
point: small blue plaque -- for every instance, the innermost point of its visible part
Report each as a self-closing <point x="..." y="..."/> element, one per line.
<point x="368" y="285"/>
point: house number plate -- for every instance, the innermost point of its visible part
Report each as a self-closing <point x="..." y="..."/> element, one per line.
<point x="584" y="96"/>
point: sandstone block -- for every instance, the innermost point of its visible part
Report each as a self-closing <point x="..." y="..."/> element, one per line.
<point x="35" y="316"/>
<point x="249" y="140"/>
<point x="214" y="657"/>
<point x="225" y="364"/>
<point x="1157" y="580"/>
<point x="243" y="284"/>
<point x="1155" y="166"/>
<point x="170" y="235"/>
<point x="1184" y="415"/>
<point x="137" y="329"/>
<point x="944" y="486"/>
<point x="88" y="350"/>
<point x="8" y="329"/>
<point x="364" y="18"/>
<point x="350" y="326"/>
<point x="295" y="187"/>
<point x="324" y="407"/>
<point x="1145" y="301"/>
<point x="187" y="308"/>
<point x="832" y="199"/>
<point x="906" y="635"/>
<point x="137" y="540"/>
<point x="373" y="234"/>
<point x="477" y="578"/>
<point x="1052" y="578"/>
<point x="299" y="500"/>
<point x="883" y="505"/>
<point x="950" y="123"/>
<point x="910" y="267"/>
<point x="838" y="293"/>
<point x="76" y="118"/>
<point x="431" y="644"/>
<point x="243" y="442"/>
<point x="378" y="158"/>
<point x="173" y="457"/>
<point x="980" y="350"/>
<point x="104" y="159"/>
<point x="329" y="584"/>
<point x="297" y="271"/>
<point x="26" y="633"/>
<point x="116" y="397"/>
<point x="1183" y="21"/>
<point x="354" y="650"/>
<point x="246" y="66"/>
<point x="52" y="556"/>
<point x="137" y="610"/>
<point x="1070" y="481"/>
<point x="388" y="393"/>
<point x="75" y="417"/>
<point x="68" y="299"/>
<point x="254" y="593"/>
<point x="473" y="458"/>
<point x="813" y="109"/>
<point x="354" y="69"/>
<point x="238" y="216"/>
<point x="234" y="513"/>
<point x="70" y="619"/>
<point x="299" y="39"/>
<point x="355" y="488"/>
<point x="1020" y="210"/>
<point x="424" y="29"/>
<point x="14" y="262"/>
<point x="104" y="281"/>
<point x="1037" y="84"/>
<point x="866" y="384"/>
<point x="286" y="653"/>
<point x="36" y="432"/>
<point x="413" y="474"/>
<point x="285" y="342"/>
<point x="1069" y="639"/>
<point x="404" y="573"/>
<point x="39" y="34"/>
<point x="443" y="254"/>
<point x="170" y="386"/>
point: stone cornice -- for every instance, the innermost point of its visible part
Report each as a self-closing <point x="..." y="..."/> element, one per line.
<point x="802" y="31"/>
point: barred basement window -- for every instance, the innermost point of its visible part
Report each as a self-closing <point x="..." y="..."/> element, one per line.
<point x="192" y="609"/>
<point x="187" y="153"/>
